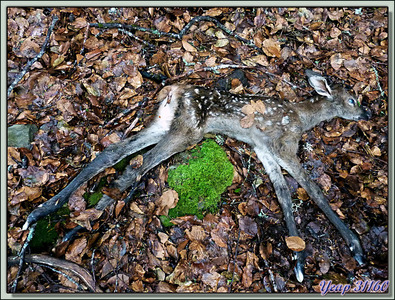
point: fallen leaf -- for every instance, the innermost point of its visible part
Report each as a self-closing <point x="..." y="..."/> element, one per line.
<point x="213" y="12"/>
<point x="79" y="23"/>
<point x="336" y="61"/>
<point x="295" y="243"/>
<point x="376" y="151"/>
<point x="259" y="106"/>
<point x="196" y="233"/>
<point x="221" y="43"/>
<point x="271" y="47"/>
<point x="247" y="121"/>
<point x="85" y="217"/>
<point x="168" y="200"/>
<point x="248" y="109"/>
<point x="187" y="46"/>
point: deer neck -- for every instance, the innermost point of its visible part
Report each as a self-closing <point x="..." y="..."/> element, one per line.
<point x="312" y="112"/>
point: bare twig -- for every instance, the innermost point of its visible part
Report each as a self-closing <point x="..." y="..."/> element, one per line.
<point x="32" y="61"/>
<point x="205" y="69"/>
<point x="219" y="25"/>
<point x="181" y="33"/>
<point x="136" y="38"/>
<point x="21" y="256"/>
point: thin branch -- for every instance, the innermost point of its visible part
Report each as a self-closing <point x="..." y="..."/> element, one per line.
<point x="136" y="38"/>
<point x="205" y="69"/>
<point x="219" y="25"/>
<point x="32" y="61"/>
<point x="182" y="32"/>
<point x="21" y="256"/>
<point x="52" y="262"/>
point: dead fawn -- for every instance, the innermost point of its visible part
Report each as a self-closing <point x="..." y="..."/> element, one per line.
<point x="271" y="126"/>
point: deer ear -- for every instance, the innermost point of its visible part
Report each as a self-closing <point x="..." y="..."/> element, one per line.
<point x="319" y="83"/>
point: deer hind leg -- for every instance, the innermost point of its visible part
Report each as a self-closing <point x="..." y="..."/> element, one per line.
<point x="173" y="142"/>
<point x="296" y="171"/>
<point x="109" y="157"/>
<point x="284" y="198"/>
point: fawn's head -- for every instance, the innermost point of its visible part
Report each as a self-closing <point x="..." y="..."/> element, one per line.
<point x="342" y="103"/>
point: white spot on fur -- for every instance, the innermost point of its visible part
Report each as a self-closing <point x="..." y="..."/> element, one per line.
<point x="166" y="111"/>
<point x="269" y="123"/>
<point x="285" y="120"/>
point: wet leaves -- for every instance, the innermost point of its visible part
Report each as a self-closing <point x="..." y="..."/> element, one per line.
<point x="88" y="92"/>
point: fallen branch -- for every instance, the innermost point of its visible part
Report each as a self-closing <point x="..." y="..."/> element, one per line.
<point x="32" y="61"/>
<point x="52" y="262"/>
<point x="21" y="256"/>
<point x="179" y="35"/>
<point x="205" y="69"/>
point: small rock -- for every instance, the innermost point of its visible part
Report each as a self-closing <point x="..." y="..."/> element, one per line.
<point x="20" y="136"/>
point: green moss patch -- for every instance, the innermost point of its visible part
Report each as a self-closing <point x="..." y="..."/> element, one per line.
<point x="45" y="234"/>
<point x="200" y="181"/>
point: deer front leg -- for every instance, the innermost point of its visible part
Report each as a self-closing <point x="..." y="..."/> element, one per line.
<point x="296" y="171"/>
<point x="109" y="157"/>
<point x="284" y="198"/>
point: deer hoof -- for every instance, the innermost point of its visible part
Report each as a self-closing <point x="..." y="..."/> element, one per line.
<point x="299" y="268"/>
<point x="357" y="252"/>
<point x="360" y="259"/>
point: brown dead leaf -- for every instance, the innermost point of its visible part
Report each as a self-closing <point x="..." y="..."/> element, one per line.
<point x="376" y="151"/>
<point x="221" y="43"/>
<point x="213" y="12"/>
<point x="219" y="238"/>
<point x="259" y="106"/>
<point x="324" y="265"/>
<point x="162" y="23"/>
<point x="135" y="208"/>
<point x="325" y="181"/>
<point x="248" y="109"/>
<point x="259" y="59"/>
<point x="335" y="32"/>
<point x="336" y="61"/>
<point x="26" y="193"/>
<point x="79" y="23"/>
<point x="118" y="207"/>
<point x="248" y="226"/>
<point x="265" y="252"/>
<point x="271" y="48"/>
<point x="29" y="48"/>
<point x="136" y="81"/>
<point x="247" y="270"/>
<point x="168" y="200"/>
<point x="137" y="286"/>
<point x="335" y="15"/>
<point x="211" y="279"/>
<point x="110" y="139"/>
<point x="197" y="233"/>
<point x="295" y="243"/>
<point x="302" y="194"/>
<point x="187" y="46"/>
<point x="13" y="156"/>
<point x="198" y="251"/>
<point x="247" y="121"/>
<point x="76" y="250"/>
<point x="85" y="217"/>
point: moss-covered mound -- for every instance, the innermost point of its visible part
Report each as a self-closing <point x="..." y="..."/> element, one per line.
<point x="201" y="180"/>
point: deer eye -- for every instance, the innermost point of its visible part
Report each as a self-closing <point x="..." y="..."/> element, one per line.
<point x="351" y="101"/>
